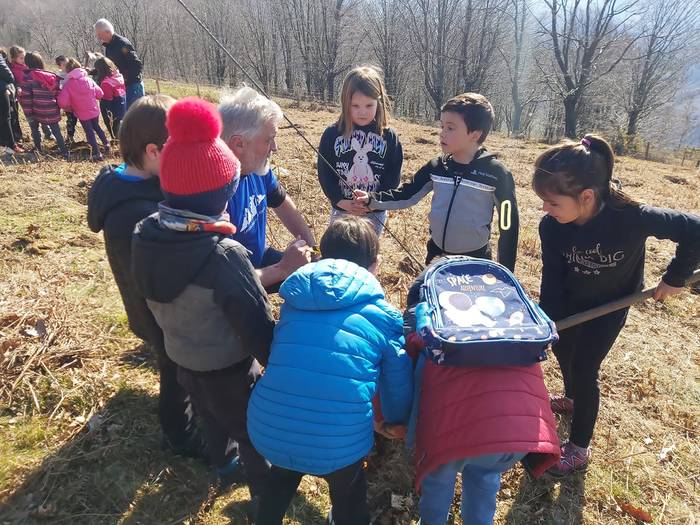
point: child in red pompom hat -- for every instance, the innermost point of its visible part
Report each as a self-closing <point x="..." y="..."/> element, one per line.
<point x="201" y="286"/>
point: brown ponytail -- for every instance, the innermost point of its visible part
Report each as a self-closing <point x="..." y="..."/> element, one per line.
<point x="571" y="167"/>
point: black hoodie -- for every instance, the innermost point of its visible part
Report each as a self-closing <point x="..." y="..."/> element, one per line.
<point x="205" y="295"/>
<point x="116" y="205"/>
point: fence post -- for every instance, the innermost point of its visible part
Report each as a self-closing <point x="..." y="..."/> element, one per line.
<point x="646" y="152"/>
<point x="685" y="152"/>
<point x="198" y="93"/>
<point x="158" y="86"/>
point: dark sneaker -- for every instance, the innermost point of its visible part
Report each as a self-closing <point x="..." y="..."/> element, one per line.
<point x="562" y="405"/>
<point x="230" y="475"/>
<point x="195" y="446"/>
<point x="573" y="458"/>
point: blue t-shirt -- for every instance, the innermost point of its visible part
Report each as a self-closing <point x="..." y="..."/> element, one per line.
<point x="248" y="211"/>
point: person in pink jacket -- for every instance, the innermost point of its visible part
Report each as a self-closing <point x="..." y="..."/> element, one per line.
<point x="80" y="95"/>
<point x="38" y="98"/>
<point x="18" y="67"/>
<point x="113" y="103"/>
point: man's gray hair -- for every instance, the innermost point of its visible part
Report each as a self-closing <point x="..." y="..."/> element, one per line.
<point x="104" y="25"/>
<point x="245" y="111"/>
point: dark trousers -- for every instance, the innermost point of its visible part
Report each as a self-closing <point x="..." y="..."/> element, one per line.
<point x="435" y="251"/>
<point x="112" y="114"/>
<point x="580" y="352"/>
<point x="7" y="137"/>
<point x="220" y="398"/>
<point x="174" y="407"/>
<point x="55" y="128"/>
<point x="91" y="128"/>
<point x="348" y="488"/>
<point x="14" y="118"/>
<point x="71" y="123"/>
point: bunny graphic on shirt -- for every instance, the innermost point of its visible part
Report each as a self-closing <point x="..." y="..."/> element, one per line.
<point x="360" y="175"/>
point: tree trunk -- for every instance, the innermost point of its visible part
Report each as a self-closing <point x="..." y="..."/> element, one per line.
<point x="632" y="122"/>
<point x="570" y="116"/>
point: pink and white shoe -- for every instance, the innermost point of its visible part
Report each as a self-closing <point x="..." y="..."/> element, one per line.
<point x="573" y="458"/>
<point x="562" y="405"/>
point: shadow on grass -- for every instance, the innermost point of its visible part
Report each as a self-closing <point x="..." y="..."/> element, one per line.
<point x="111" y="471"/>
<point x="539" y="501"/>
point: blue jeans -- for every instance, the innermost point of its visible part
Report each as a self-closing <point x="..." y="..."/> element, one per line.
<point x="55" y="128"/>
<point x="481" y="480"/>
<point x="133" y="93"/>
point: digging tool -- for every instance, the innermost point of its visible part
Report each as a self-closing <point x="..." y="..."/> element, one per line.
<point x="613" y="306"/>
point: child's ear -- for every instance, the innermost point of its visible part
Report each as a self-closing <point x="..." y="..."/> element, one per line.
<point x="152" y="151"/>
<point x="374" y="267"/>
<point x="587" y="197"/>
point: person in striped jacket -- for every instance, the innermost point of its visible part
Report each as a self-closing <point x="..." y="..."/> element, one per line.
<point x="38" y="98"/>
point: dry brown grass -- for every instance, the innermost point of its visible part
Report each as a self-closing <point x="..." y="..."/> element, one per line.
<point x="78" y="431"/>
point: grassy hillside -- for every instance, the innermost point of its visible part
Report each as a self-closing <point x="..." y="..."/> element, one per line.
<point x="79" y="441"/>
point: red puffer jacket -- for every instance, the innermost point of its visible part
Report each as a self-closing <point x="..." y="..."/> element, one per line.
<point x="466" y="412"/>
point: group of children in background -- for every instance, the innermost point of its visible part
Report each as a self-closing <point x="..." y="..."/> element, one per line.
<point x="83" y="95"/>
<point x="339" y="350"/>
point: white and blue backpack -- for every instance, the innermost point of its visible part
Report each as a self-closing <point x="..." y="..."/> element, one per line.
<point x="473" y="312"/>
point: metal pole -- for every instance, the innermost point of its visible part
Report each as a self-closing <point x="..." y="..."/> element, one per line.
<point x="613" y="306"/>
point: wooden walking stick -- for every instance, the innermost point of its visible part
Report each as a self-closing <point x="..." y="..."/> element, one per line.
<point x="613" y="306"/>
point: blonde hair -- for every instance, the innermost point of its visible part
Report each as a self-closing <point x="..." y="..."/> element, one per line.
<point x="72" y="64"/>
<point x="368" y="81"/>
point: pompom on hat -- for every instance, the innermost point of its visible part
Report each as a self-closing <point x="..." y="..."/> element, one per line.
<point x="198" y="172"/>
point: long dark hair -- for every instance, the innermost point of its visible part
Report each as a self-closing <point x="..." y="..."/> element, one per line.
<point x="104" y="67"/>
<point x="34" y="61"/>
<point x="571" y="167"/>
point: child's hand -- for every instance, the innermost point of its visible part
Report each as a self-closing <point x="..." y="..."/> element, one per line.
<point x="361" y="196"/>
<point x="390" y="431"/>
<point x="664" y="290"/>
<point x="352" y="207"/>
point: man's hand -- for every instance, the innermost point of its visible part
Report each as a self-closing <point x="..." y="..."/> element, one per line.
<point x="297" y="254"/>
<point x="664" y="290"/>
<point x="352" y="207"/>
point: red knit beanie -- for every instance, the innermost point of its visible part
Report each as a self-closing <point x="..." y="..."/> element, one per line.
<point x="198" y="172"/>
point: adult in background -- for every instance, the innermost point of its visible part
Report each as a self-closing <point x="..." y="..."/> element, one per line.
<point x="121" y="51"/>
<point x="250" y="127"/>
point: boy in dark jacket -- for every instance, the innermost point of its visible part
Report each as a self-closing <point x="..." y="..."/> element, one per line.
<point x="201" y="286"/>
<point x="120" y="197"/>
<point x="467" y="183"/>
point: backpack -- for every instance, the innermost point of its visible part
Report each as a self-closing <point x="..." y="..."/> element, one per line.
<point x="473" y="312"/>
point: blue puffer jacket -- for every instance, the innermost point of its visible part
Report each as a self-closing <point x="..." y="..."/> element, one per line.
<point x="336" y="342"/>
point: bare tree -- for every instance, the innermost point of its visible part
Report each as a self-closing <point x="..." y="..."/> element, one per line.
<point x="387" y="44"/>
<point x="430" y="28"/>
<point x="587" y="41"/>
<point x="257" y="41"/>
<point x="331" y="26"/>
<point x="668" y="30"/>
<point x="298" y="17"/>
<point x="480" y="34"/>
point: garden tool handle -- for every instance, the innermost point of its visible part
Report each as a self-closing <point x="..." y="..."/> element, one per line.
<point x="613" y="306"/>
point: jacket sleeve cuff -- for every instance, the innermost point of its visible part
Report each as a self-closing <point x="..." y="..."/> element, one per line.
<point x="673" y="280"/>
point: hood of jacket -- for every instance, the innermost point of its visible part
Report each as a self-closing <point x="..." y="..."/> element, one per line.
<point x="47" y="79"/>
<point x="165" y="262"/>
<point x="109" y="192"/>
<point x="116" y="79"/>
<point x="330" y="284"/>
<point x="77" y="73"/>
